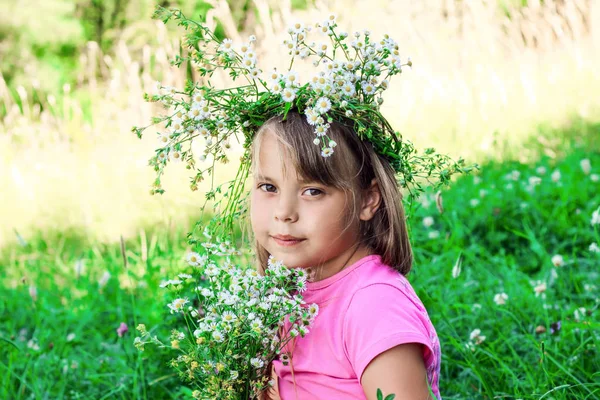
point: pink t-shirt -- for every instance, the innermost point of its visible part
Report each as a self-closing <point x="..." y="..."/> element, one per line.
<point x="364" y="310"/>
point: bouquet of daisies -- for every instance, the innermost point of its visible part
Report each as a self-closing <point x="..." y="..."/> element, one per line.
<point x="232" y="327"/>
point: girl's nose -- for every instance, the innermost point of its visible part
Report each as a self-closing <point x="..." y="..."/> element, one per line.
<point x="286" y="211"/>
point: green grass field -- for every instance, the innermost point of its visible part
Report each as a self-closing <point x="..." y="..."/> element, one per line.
<point x="518" y="234"/>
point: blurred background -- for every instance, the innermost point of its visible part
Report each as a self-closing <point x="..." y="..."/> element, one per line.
<point x="486" y="76"/>
<point x="507" y="268"/>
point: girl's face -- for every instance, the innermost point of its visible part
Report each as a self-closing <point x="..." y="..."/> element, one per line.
<point x="303" y="224"/>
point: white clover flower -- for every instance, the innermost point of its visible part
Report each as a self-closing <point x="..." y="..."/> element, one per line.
<point x="535" y="180"/>
<point x="558" y="260"/>
<point x="539" y="288"/>
<point x="594" y="248"/>
<point x="500" y="298"/>
<point x="178" y="305"/>
<point x="555" y="176"/>
<point x="586" y="166"/>
<point x="595" y="178"/>
<point x="579" y="314"/>
<point x="348" y="113"/>
<point x="541" y="170"/>
<point x="474" y="202"/>
<point x="433" y="234"/>
<point x="476" y="336"/>
<point x="428" y="221"/>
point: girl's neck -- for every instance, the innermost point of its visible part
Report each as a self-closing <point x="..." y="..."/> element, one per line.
<point x="349" y="257"/>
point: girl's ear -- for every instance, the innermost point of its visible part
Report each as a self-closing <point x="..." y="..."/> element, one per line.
<point x="371" y="201"/>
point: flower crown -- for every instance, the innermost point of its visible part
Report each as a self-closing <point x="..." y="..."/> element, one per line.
<point x="351" y="76"/>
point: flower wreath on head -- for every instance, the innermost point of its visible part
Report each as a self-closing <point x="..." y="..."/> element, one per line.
<point x="352" y="74"/>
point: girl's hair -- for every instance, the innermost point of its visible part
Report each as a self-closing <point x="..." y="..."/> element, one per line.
<point x="351" y="168"/>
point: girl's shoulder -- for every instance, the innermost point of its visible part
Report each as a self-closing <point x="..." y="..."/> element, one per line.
<point x="378" y="284"/>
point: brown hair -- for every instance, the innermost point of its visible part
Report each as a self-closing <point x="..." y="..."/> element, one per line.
<point x="351" y="168"/>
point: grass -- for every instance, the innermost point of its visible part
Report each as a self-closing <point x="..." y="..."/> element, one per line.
<point x="59" y="313"/>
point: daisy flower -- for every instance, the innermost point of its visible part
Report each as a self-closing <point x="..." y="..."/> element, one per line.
<point x="291" y="79"/>
<point x="288" y="95"/>
<point x="323" y="105"/>
<point x="218" y="336"/>
<point x="327" y="152"/>
<point x="178" y="305"/>
<point x="313" y="310"/>
<point x="368" y="88"/>
<point x="257" y="362"/>
<point x="229" y="317"/>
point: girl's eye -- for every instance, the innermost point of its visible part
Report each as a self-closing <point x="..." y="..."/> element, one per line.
<point x="266" y="187"/>
<point x="313" y="192"/>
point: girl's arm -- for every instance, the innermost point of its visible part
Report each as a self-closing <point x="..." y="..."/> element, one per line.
<point x="399" y="370"/>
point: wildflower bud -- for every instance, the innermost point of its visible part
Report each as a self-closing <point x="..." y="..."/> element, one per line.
<point x="316" y="141"/>
<point x="409" y="62"/>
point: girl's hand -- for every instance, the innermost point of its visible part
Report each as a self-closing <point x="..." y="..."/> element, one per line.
<point x="400" y="371"/>
<point x="273" y="392"/>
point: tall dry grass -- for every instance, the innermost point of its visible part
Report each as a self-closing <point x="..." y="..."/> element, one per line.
<point x="478" y="76"/>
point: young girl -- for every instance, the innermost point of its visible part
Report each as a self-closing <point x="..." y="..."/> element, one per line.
<point x="342" y="218"/>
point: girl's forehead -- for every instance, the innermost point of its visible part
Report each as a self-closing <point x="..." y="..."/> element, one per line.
<point x="274" y="158"/>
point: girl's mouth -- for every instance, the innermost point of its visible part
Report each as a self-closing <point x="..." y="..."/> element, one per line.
<point x="287" y="242"/>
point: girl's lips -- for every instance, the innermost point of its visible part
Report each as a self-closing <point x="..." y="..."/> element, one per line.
<point x="287" y="242"/>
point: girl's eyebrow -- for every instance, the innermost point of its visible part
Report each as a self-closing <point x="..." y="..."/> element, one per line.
<point x="263" y="178"/>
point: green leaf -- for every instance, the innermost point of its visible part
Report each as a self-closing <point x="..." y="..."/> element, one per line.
<point x="379" y="394"/>
<point x="390" y="397"/>
<point x="288" y="106"/>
